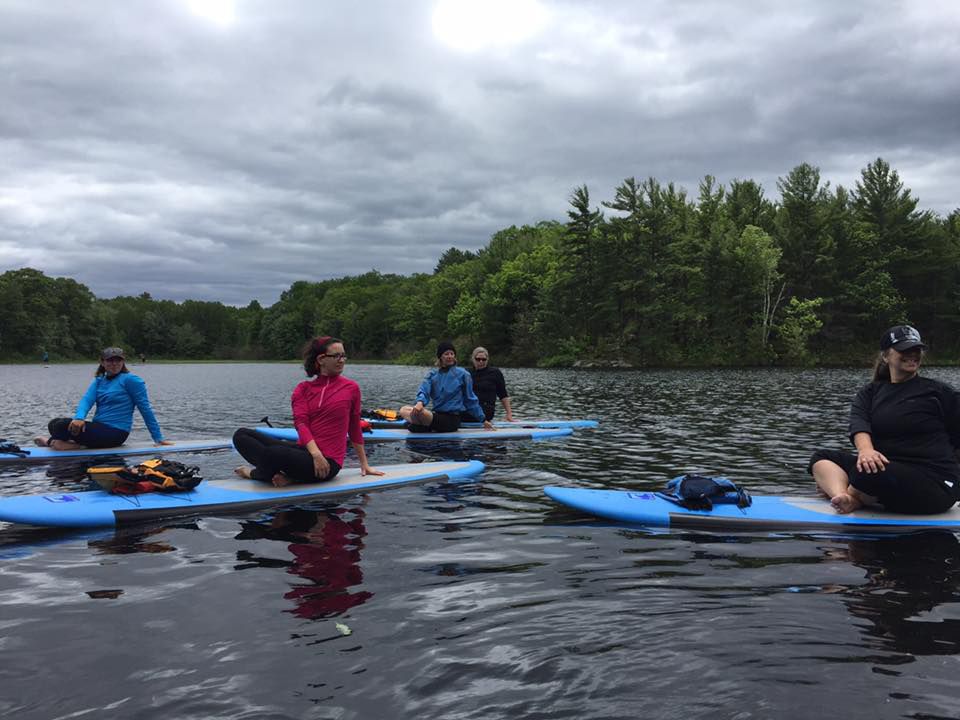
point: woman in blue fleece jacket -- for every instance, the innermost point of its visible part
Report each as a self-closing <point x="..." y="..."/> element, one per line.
<point x="115" y="391"/>
<point x="450" y="388"/>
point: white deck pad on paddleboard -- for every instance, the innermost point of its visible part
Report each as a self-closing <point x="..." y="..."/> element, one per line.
<point x="768" y="512"/>
<point x="96" y="508"/>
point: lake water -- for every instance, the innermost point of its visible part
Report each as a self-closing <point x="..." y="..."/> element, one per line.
<point x="481" y="599"/>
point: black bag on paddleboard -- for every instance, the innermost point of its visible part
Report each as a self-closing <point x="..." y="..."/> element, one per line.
<point x="697" y="492"/>
<point x="154" y="475"/>
<point x="11" y="448"/>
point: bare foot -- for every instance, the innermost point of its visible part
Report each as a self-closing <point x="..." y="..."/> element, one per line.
<point x="280" y="480"/>
<point x="65" y="445"/>
<point x="41" y="441"/>
<point x="845" y="503"/>
<point x="244" y="472"/>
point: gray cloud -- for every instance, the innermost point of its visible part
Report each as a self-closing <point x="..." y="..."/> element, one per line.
<point x="145" y="148"/>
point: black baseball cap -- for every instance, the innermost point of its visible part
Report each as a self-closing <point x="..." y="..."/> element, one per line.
<point x="900" y="338"/>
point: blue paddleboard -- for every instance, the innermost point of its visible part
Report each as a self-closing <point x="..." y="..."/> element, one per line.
<point x="576" y="424"/>
<point x="767" y="513"/>
<point x="95" y="508"/>
<point x="44" y="454"/>
<point x="400" y="435"/>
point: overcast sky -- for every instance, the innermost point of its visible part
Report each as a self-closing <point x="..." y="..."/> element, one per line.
<point x="222" y="150"/>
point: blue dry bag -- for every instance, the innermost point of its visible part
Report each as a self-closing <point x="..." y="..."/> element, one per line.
<point x="11" y="448"/>
<point x="696" y="492"/>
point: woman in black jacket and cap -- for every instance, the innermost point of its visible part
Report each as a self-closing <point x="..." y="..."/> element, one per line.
<point x="906" y="429"/>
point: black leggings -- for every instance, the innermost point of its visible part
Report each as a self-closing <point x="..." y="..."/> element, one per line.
<point x="901" y="487"/>
<point x="93" y="435"/>
<point x="442" y="423"/>
<point x="270" y="455"/>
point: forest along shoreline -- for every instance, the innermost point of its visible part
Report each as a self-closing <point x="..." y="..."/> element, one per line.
<point x="649" y="277"/>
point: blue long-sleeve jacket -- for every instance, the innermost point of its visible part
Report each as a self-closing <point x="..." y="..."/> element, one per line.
<point x="451" y="391"/>
<point x="115" y="399"/>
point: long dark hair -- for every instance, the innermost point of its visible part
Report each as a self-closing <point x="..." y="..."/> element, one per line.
<point x="881" y="371"/>
<point x="314" y="349"/>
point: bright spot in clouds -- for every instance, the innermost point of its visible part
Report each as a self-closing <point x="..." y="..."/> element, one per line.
<point x="473" y="24"/>
<point x="219" y="11"/>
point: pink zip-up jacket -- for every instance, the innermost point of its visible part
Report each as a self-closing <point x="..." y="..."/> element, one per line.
<point x="327" y="410"/>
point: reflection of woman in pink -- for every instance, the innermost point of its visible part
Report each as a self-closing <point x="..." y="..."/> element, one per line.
<point x="329" y="557"/>
<point x="325" y="411"/>
<point x="326" y="554"/>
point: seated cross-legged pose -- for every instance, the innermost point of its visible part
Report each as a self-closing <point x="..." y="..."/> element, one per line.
<point x="905" y="428"/>
<point x="450" y="388"/>
<point x="115" y="391"/>
<point x="325" y="411"/>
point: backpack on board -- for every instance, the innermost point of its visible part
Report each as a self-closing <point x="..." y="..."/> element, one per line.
<point x="380" y="414"/>
<point x="154" y="475"/>
<point x="697" y="492"/>
<point x="9" y="447"/>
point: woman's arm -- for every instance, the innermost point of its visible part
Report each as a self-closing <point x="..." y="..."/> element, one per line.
<point x="505" y="401"/>
<point x="425" y="392"/>
<point x="300" y="404"/>
<point x="87" y="402"/>
<point x="861" y="411"/>
<point x="365" y="468"/>
<point x="354" y="428"/>
<point x="137" y="389"/>
<point x="503" y="395"/>
<point x="953" y="417"/>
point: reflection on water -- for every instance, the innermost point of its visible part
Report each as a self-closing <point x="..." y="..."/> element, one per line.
<point x="478" y="599"/>
<point x="326" y="553"/>
<point x="910" y="599"/>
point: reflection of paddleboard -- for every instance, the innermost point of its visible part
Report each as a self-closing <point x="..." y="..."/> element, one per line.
<point x="42" y="454"/>
<point x="97" y="507"/>
<point x="394" y="424"/>
<point x="398" y="435"/>
<point x="767" y="512"/>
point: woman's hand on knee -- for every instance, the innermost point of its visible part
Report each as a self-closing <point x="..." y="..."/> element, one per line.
<point x="871" y="461"/>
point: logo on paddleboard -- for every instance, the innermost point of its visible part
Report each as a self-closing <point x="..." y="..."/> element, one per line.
<point x="61" y="498"/>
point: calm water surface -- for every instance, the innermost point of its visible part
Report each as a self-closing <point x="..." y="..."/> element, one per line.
<point x="480" y="599"/>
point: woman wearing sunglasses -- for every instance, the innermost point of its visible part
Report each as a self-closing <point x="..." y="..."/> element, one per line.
<point x="326" y="410"/>
<point x="488" y="384"/>
<point x="115" y="391"/>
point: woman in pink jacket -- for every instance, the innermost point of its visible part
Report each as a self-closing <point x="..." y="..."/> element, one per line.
<point x="326" y="410"/>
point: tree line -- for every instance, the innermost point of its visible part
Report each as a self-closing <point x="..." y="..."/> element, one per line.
<point x="648" y="277"/>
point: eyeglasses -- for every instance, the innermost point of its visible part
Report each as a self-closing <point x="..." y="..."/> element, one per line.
<point x="480" y="359"/>
<point x="335" y="356"/>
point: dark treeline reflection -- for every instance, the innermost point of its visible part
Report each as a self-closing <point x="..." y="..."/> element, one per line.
<point x="648" y="277"/>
